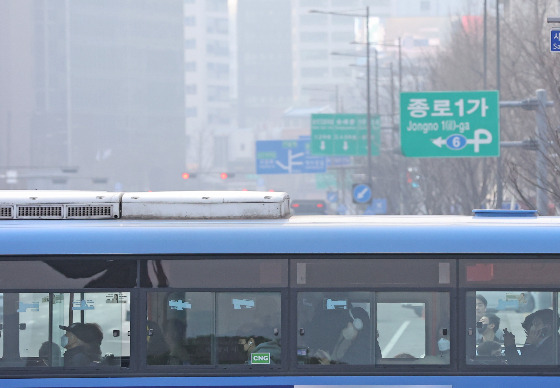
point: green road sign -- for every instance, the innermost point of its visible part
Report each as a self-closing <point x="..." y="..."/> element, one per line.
<point x="450" y="124"/>
<point x="325" y="181"/>
<point x="343" y="134"/>
<point x="260" y="358"/>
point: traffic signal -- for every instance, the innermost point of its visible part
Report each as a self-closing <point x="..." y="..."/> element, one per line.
<point x="226" y="175"/>
<point x="188" y="175"/>
<point x="412" y="179"/>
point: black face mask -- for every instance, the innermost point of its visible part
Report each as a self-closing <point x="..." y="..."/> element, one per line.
<point x="482" y="329"/>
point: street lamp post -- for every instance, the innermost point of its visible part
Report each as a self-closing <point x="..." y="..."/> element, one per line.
<point x="368" y="116"/>
<point x="368" y="87"/>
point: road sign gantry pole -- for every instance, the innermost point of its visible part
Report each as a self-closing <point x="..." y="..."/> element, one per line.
<point x="368" y="87"/>
<point x="369" y="172"/>
<point x="539" y="105"/>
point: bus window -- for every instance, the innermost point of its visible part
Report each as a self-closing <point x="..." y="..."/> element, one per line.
<point x="33" y="318"/>
<point x="511" y="328"/>
<point x="413" y="327"/>
<point x="248" y="328"/>
<point x="56" y="329"/>
<point x="203" y="328"/>
<point x="336" y="328"/>
<point x="180" y="328"/>
<point x="1" y="325"/>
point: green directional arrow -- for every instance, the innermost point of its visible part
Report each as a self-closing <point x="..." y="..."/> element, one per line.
<point x="343" y="134"/>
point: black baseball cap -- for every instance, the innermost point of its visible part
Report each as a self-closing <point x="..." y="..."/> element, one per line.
<point x="87" y="332"/>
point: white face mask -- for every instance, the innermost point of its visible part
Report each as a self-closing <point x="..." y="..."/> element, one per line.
<point x="443" y="345"/>
<point x="349" y="332"/>
<point x="63" y="341"/>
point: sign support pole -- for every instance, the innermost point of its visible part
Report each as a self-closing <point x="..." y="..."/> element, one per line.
<point x="369" y="172"/>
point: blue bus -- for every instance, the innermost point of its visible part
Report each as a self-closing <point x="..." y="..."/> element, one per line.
<point x="227" y="289"/>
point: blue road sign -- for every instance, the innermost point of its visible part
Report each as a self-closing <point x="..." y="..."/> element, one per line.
<point x="361" y="193"/>
<point x="555" y="40"/>
<point x="339" y="161"/>
<point x="341" y="209"/>
<point x="332" y="196"/>
<point x="377" y="206"/>
<point x="288" y="157"/>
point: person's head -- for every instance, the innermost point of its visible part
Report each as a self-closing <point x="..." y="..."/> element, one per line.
<point x="55" y="353"/>
<point x="543" y="320"/>
<point x="249" y="344"/>
<point x="82" y="333"/>
<point x="405" y="355"/>
<point x="356" y="322"/>
<point x="489" y="348"/>
<point x="493" y="323"/>
<point x="481" y="304"/>
<point x="526" y="324"/>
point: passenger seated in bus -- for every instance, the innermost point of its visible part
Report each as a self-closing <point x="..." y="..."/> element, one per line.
<point x="539" y="345"/>
<point x="262" y="345"/>
<point x="487" y="327"/>
<point x="55" y="353"/>
<point x="405" y="356"/>
<point x="82" y="342"/>
<point x="157" y="352"/>
<point x="489" y="348"/>
<point x="481" y="305"/>
<point x="175" y="332"/>
<point x="353" y="341"/>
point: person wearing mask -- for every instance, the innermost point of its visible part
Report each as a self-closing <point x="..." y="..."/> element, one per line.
<point x="488" y="326"/>
<point x="82" y="342"/>
<point x="480" y="308"/>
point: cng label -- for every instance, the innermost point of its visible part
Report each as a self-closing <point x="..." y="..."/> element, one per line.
<point x="260" y="358"/>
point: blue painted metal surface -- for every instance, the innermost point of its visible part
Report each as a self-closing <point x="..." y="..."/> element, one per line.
<point x="320" y="234"/>
<point x="296" y="381"/>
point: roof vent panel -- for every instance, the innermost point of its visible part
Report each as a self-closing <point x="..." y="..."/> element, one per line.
<point x="6" y="212"/>
<point x="48" y="211"/>
<point x="87" y="211"/>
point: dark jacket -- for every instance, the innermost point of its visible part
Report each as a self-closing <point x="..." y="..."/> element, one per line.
<point x="542" y="354"/>
<point x="80" y="356"/>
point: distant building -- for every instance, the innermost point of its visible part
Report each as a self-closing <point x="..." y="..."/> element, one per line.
<point x="209" y="39"/>
<point x="95" y="85"/>
<point x="265" y="64"/>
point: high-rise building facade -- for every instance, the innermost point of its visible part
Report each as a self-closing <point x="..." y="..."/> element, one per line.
<point x="209" y="67"/>
<point x="104" y="86"/>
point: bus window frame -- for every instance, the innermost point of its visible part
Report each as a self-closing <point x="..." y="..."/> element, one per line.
<point x="375" y="367"/>
<point x="105" y="369"/>
<point x="215" y="367"/>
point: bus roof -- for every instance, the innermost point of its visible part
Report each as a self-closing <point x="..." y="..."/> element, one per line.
<point x="298" y="234"/>
<point x="70" y="222"/>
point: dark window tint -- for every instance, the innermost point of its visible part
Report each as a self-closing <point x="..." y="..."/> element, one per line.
<point x="530" y="271"/>
<point x="340" y="271"/>
<point x="219" y="273"/>
<point x="75" y="272"/>
<point x="207" y="328"/>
